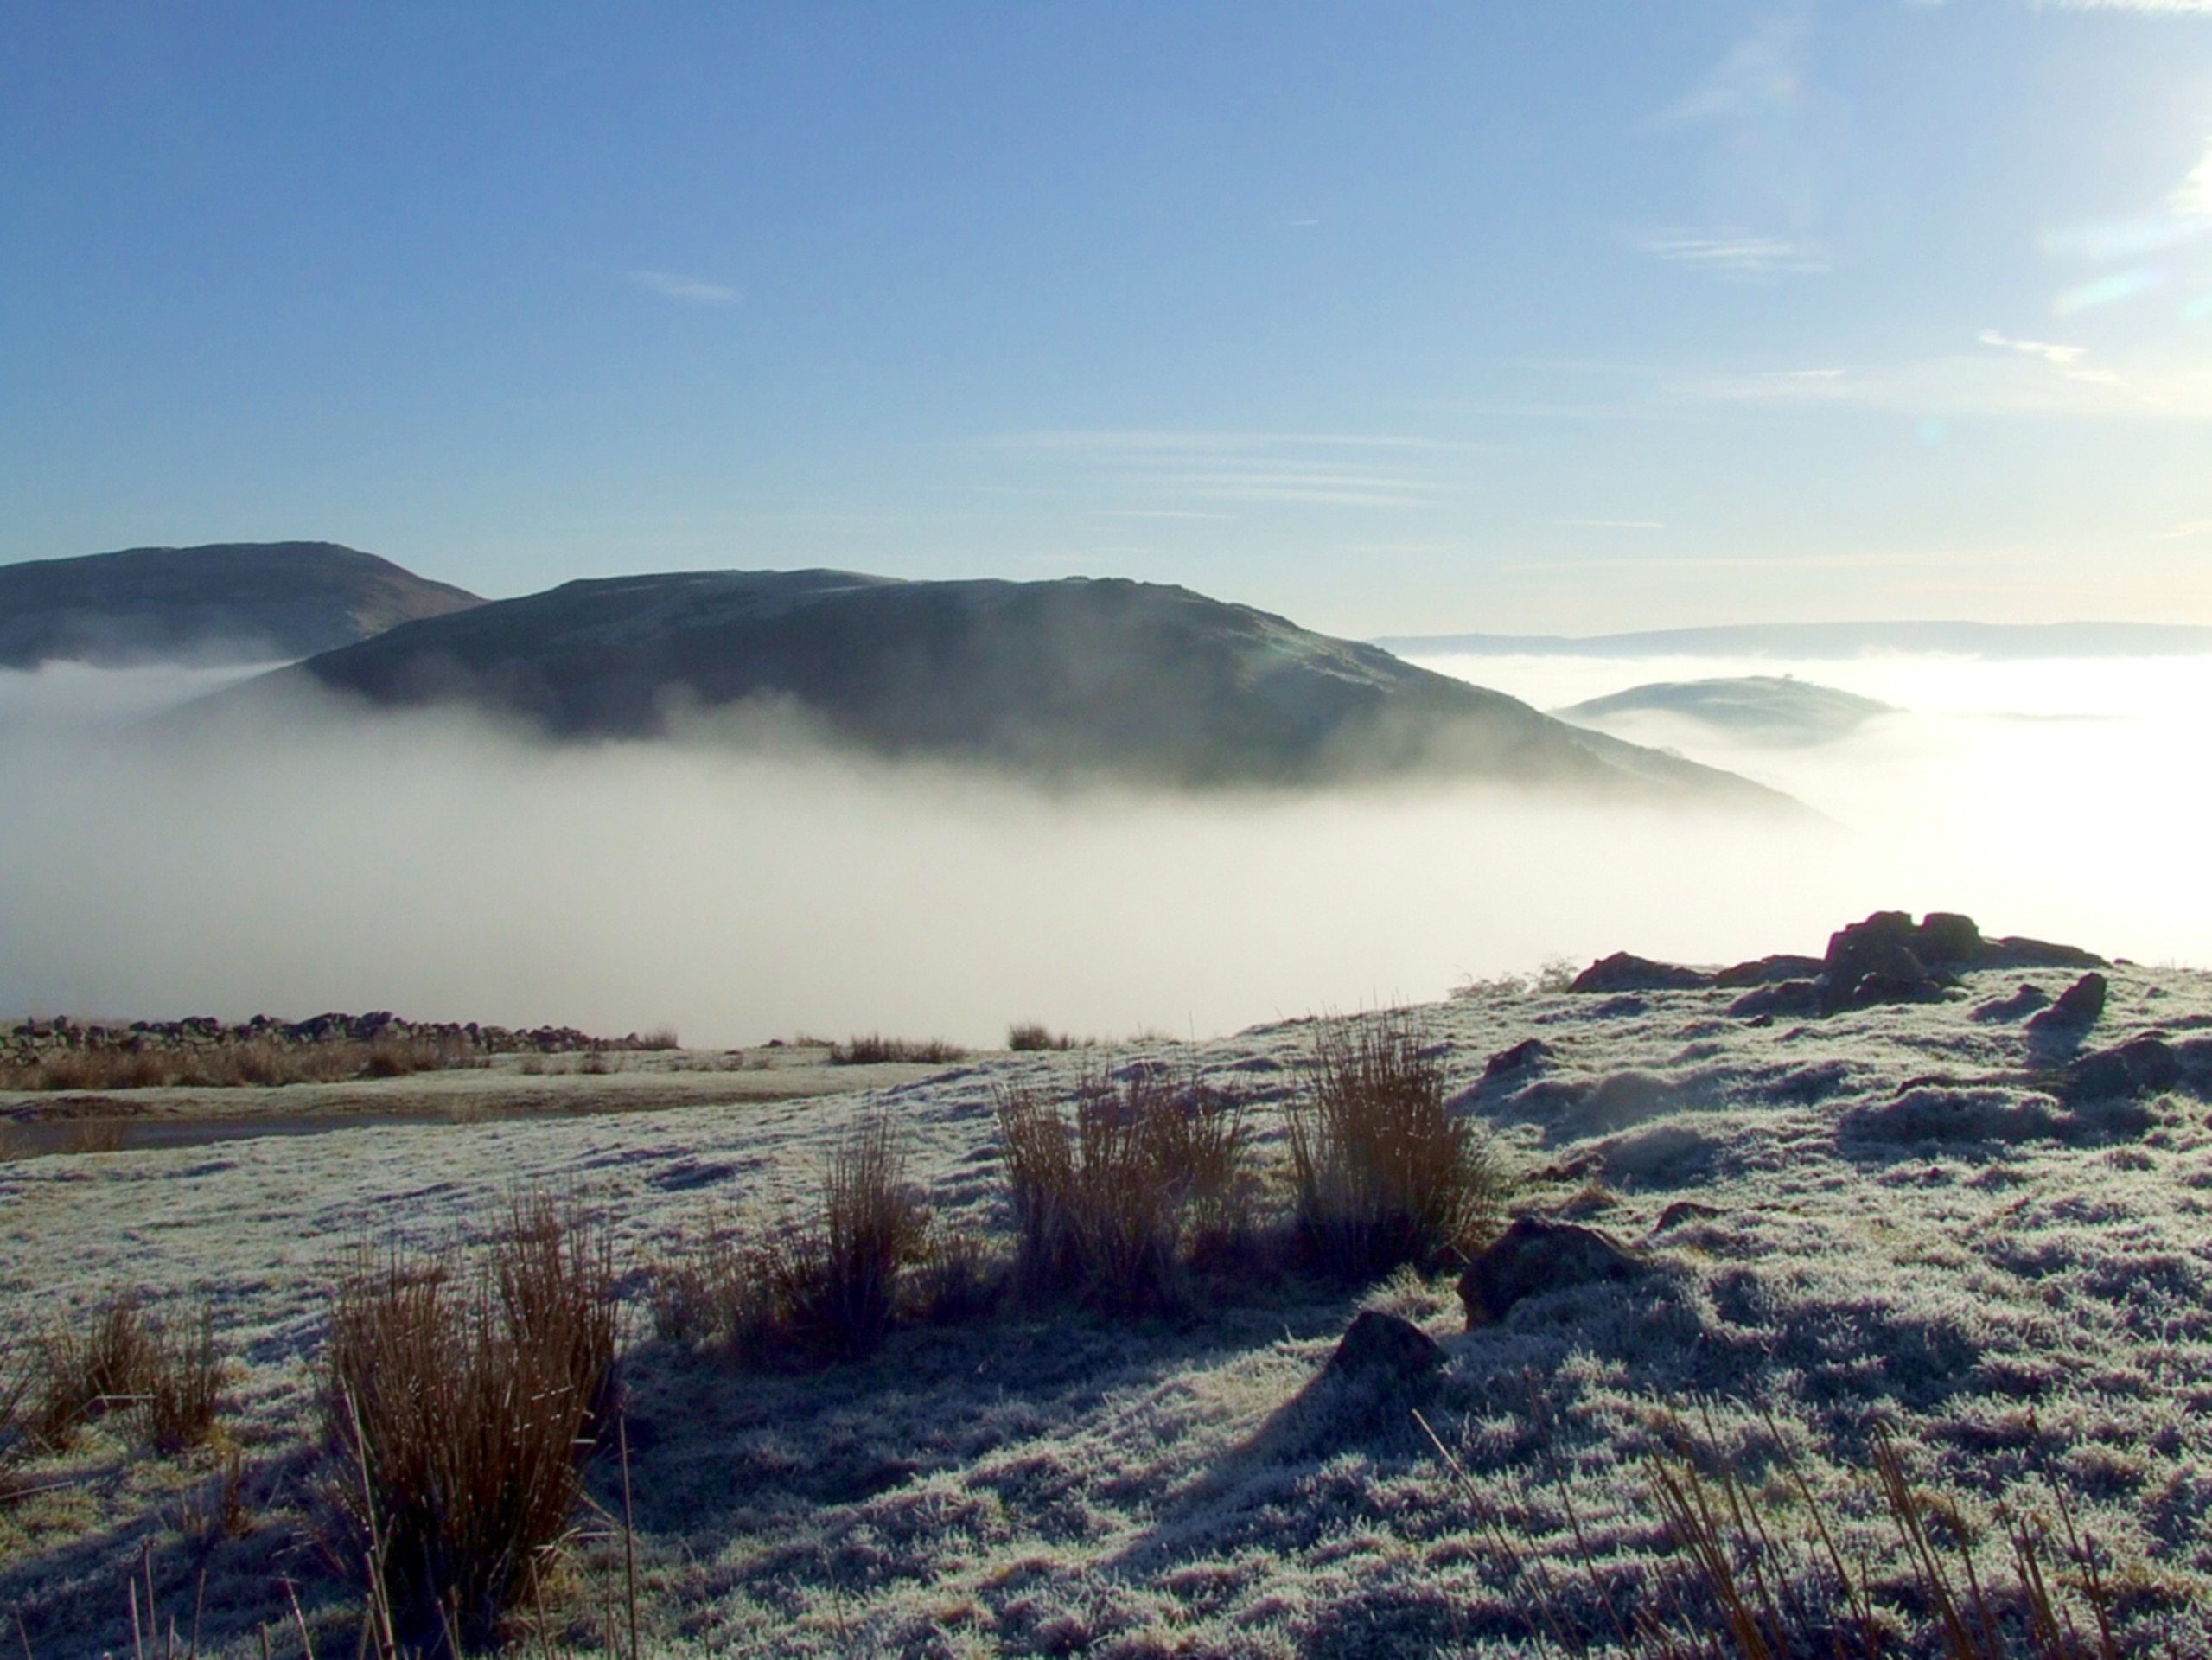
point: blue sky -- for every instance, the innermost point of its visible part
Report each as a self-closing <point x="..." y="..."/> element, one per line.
<point x="1579" y="315"/>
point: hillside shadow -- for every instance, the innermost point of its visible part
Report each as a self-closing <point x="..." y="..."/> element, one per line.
<point x="75" y="1597"/>
<point x="715" y="1446"/>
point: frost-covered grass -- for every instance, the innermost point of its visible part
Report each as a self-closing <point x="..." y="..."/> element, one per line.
<point x="2018" y="1315"/>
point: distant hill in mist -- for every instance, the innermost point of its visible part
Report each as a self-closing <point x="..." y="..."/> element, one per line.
<point x="1055" y="679"/>
<point x="227" y="602"/>
<point x="1767" y="708"/>
<point x="1818" y="640"/>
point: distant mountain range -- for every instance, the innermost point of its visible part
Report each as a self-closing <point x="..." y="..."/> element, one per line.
<point x="1054" y="678"/>
<point x="1832" y="640"/>
<point x="228" y="603"/>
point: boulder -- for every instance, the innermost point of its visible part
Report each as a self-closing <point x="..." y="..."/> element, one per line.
<point x="2078" y="1006"/>
<point x="1386" y="1351"/>
<point x="1876" y="962"/>
<point x="1623" y="972"/>
<point x="1948" y="939"/>
<point x="1535" y="1255"/>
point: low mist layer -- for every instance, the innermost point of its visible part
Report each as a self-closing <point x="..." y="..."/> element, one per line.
<point x="308" y="859"/>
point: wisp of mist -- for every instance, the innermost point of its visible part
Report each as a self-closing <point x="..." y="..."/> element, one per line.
<point x="443" y="868"/>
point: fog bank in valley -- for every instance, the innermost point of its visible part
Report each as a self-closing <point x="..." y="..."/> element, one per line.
<point x="311" y="859"/>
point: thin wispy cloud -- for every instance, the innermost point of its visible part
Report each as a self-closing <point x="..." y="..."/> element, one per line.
<point x="2068" y="360"/>
<point x="2147" y="247"/>
<point x="1767" y="66"/>
<point x="2009" y="375"/>
<point x="678" y="285"/>
<point x="1738" y="255"/>
<point x="1613" y="524"/>
<point x="1183" y="473"/>
<point x="2154" y="7"/>
<point x="1763" y="173"/>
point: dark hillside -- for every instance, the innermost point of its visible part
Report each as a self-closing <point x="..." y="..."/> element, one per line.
<point x="1079" y="676"/>
<point x="231" y="602"/>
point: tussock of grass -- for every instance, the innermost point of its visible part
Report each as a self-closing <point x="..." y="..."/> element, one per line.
<point x="842" y="1279"/>
<point x="874" y="1048"/>
<point x="827" y="1288"/>
<point x="959" y="1278"/>
<point x="86" y="1372"/>
<point x="1384" y="1173"/>
<point x="183" y="1386"/>
<point x="17" y="1374"/>
<point x="1759" y="1572"/>
<point x="1107" y="1206"/>
<point x="1034" y="1035"/>
<point x="117" y="1360"/>
<point x="459" y="1401"/>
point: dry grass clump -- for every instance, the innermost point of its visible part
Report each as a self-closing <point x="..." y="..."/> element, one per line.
<point x="1107" y="1208"/>
<point x="874" y="1048"/>
<point x="459" y="1402"/>
<point x="183" y="1386"/>
<point x="17" y="1373"/>
<point x="119" y="1360"/>
<point x="1763" y="1578"/>
<point x="85" y="1373"/>
<point x="825" y="1289"/>
<point x="1384" y="1173"/>
<point x="1034" y="1035"/>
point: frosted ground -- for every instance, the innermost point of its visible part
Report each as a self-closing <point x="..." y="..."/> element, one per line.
<point x="2028" y="1301"/>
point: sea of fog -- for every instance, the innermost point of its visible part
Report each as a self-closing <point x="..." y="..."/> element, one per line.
<point x="446" y="869"/>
